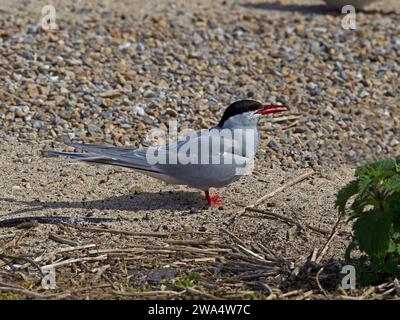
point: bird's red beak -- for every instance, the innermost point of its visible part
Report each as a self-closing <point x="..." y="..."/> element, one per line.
<point x="272" y="108"/>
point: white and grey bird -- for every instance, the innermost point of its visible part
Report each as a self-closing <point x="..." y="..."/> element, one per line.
<point x="210" y="158"/>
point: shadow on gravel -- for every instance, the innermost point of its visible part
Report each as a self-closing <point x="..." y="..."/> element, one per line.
<point x="146" y="201"/>
<point x="320" y="9"/>
<point x="290" y="8"/>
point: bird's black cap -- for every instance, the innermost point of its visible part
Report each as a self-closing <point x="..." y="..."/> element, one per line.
<point x="239" y="107"/>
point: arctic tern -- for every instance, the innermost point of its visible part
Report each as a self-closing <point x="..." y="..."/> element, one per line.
<point x="210" y="158"/>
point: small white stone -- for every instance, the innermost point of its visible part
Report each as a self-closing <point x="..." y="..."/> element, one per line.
<point x="124" y="45"/>
<point x="138" y="110"/>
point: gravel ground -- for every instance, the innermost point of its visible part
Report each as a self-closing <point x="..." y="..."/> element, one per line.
<point x="112" y="71"/>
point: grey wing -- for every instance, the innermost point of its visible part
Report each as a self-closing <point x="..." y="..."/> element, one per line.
<point x="204" y="176"/>
<point x="202" y="162"/>
<point x="116" y="156"/>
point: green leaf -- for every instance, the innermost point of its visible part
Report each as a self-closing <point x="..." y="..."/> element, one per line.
<point x="189" y="280"/>
<point x="368" y="278"/>
<point x="361" y="201"/>
<point x="396" y="235"/>
<point x="349" y="249"/>
<point x="392" y="247"/>
<point x="386" y="165"/>
<point x="390" y="267"/>
<point x="372" y="231"/>
<point x="393" y="183"/>
<point x="376" y="212"/>
<point x="345" y="194"/>
<point x="364" y="170"/>
<point x="364" y="183"/>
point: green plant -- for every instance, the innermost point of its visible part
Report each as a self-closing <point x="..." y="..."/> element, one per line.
<point x="255" y="295"/>
<point x="189" y="281"/>
<point x="376" y="211"/>
<point x="9" y="296"/>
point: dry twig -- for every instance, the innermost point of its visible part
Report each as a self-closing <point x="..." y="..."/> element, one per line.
<point x="331" y="237"/>
<point x="202" y="294"/>
<point x="284" y="187"/>
<point x="319" y="283"/>
<point x="58" y="239"/>
<point x="290" y="221"/>
<point x="114" y="231"/>
<point x="272" y="193"/>
<point x="72" y="261"/>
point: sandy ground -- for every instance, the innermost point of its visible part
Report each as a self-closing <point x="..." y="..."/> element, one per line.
<point x="37" y="186"/>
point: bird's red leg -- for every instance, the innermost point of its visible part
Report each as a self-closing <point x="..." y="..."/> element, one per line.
<point x="213" y="200"/>
<point x="207" y="193"/>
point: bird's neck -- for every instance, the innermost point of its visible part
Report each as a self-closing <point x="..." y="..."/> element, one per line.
<point x="246" y="138"/>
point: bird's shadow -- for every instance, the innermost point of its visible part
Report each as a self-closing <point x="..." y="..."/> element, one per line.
<point x="146" y="201"/>
<point x="301" y="8"/>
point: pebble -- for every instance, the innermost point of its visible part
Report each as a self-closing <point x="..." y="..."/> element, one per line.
<point x="37" y="124"/>
<point x="394" y="142"/>
<point x="138" y="110"/>
<point x="124" y="45"/>
<point x="93" y="128"/>
<point x="149" y="94"/>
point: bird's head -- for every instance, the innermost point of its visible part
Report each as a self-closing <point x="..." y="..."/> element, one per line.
<point x="245" y="113"/>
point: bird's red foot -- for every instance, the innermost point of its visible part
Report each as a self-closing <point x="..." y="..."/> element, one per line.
<point x="213" y="200"/>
